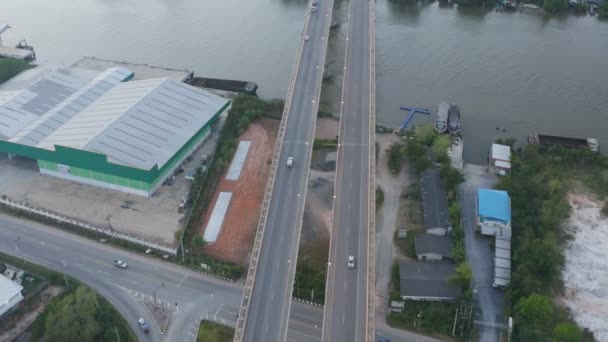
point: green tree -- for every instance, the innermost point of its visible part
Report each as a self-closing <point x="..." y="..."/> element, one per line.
<point x="440" y="147"/>
<point x="555" y="6"/>
<point x="567" y="332"/>
<point x="462" y="277"/>
<point x="395" y="157"/>
<point x="73" y="317"/>
<point x="603" y="11"/>
<point x="535" y="315"/>
<point x="425" y="134"/>
<point x="198" y="241"/>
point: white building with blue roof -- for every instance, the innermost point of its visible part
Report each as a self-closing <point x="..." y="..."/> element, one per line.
<point x="494" y="212"/>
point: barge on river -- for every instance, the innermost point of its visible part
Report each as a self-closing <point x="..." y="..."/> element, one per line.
<point x="448" y="118"/>
<point x="225" y="85"/>
<point x="591" y="143"/>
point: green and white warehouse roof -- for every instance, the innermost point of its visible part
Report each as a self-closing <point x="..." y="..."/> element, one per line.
<point x="46" y="124"/>
<point x="37" y="99"/>
<point x="134" y="123"/>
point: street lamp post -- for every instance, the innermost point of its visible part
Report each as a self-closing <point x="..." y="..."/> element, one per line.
<point x="154" y="293"/>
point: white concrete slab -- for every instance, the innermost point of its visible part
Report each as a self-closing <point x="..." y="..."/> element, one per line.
<point x="234" y="172"/>
<point x="214" y="226"/>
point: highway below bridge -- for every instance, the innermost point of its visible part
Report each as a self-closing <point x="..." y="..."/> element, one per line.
<point x="349" y="304"/>
<point x="265" y="309"/>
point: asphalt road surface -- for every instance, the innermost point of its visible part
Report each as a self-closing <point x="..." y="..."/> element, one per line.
<point x="346" y="311"/>
<point x="197" y="296"/>
<point x="267" y="310"/>
<point x="489" y="302"/>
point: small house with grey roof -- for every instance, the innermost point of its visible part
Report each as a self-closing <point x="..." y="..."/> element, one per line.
<point x="432" y="247"/>
<point x="427" y="281"/>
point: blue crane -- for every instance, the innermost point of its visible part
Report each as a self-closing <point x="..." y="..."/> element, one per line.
<point x="413" y="111"/>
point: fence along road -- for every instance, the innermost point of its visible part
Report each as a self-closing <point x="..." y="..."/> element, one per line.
<point x="265" y="307"/>
<point x="349" y="299"/>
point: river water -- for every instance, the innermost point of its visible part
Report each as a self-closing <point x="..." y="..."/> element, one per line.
<point x="510" y="73"/>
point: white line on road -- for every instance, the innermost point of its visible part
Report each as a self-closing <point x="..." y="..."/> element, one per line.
<point x="181" y="281"/>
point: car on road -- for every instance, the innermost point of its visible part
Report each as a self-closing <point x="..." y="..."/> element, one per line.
<point x="143" y="325"/>
<point x="120" y="264"/>
<point x="290" y="159"/>
<point x="306" y="38"/>
<point x="313" y="9"/>
<point x="351" y="261"/>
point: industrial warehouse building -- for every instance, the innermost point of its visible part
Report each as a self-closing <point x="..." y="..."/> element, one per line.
<point x="106" y="129"/>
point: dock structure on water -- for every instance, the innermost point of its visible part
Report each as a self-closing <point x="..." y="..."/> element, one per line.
<point x="17" y="53"/>
<point x="141" y="71"/>
<point x="21" y="51"/>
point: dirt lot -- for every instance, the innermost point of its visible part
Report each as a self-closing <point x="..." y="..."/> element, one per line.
<point x="236" y="238"/>
<point x="327" y="128"/>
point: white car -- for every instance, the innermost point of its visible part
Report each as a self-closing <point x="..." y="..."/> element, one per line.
<point x="120" y="264"/>
<point x="313" y="9"/>
<point x="351" y="261"/>
<point x="306" y="38"/>
<point x="289" y="161"/>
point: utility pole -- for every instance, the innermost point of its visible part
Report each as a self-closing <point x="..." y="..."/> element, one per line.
<point x="154" y="293"/>
<point x="66" y="281"/>
<point x="117" y="336"/>
<point x="181" y="242"/>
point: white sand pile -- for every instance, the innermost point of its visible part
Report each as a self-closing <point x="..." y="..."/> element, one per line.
<point x="585" y="272"/>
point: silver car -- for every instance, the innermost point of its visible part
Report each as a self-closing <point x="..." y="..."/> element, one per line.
<point x="120" y="264"/>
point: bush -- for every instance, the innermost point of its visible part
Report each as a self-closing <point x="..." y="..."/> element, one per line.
<point x="310" y="279"/>
<point x="440" y="148"/>
<point x="395" y="157"/>
<point x="379" y="197"/>
<point x="555" y="6"/>
<point x="425" y="134"/>
<point x="325" y="144"/>
<point x="416" y="154"/>
<point x="603" y="11"/>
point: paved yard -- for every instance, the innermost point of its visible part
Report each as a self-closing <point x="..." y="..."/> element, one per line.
<point x="490" y="302"/>
<point x="154" y="219"/>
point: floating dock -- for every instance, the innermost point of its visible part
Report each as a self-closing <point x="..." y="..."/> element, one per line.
<point x="17" y="53"/>
<point x="225" y="85"/>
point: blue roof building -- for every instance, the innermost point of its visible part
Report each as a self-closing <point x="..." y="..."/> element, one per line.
<point x="494" y="212"/>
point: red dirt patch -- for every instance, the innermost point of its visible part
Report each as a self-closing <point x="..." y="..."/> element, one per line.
<point x="235" y="240"/>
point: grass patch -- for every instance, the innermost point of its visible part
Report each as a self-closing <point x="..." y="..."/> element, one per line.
<point x="425" y="316"/>
<point x="325" y="144"/>
<point x="213" y="332"/>
<point x="407" y="245"/>
<point x="311" y="272"/>
<point x="11" y="67"/>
